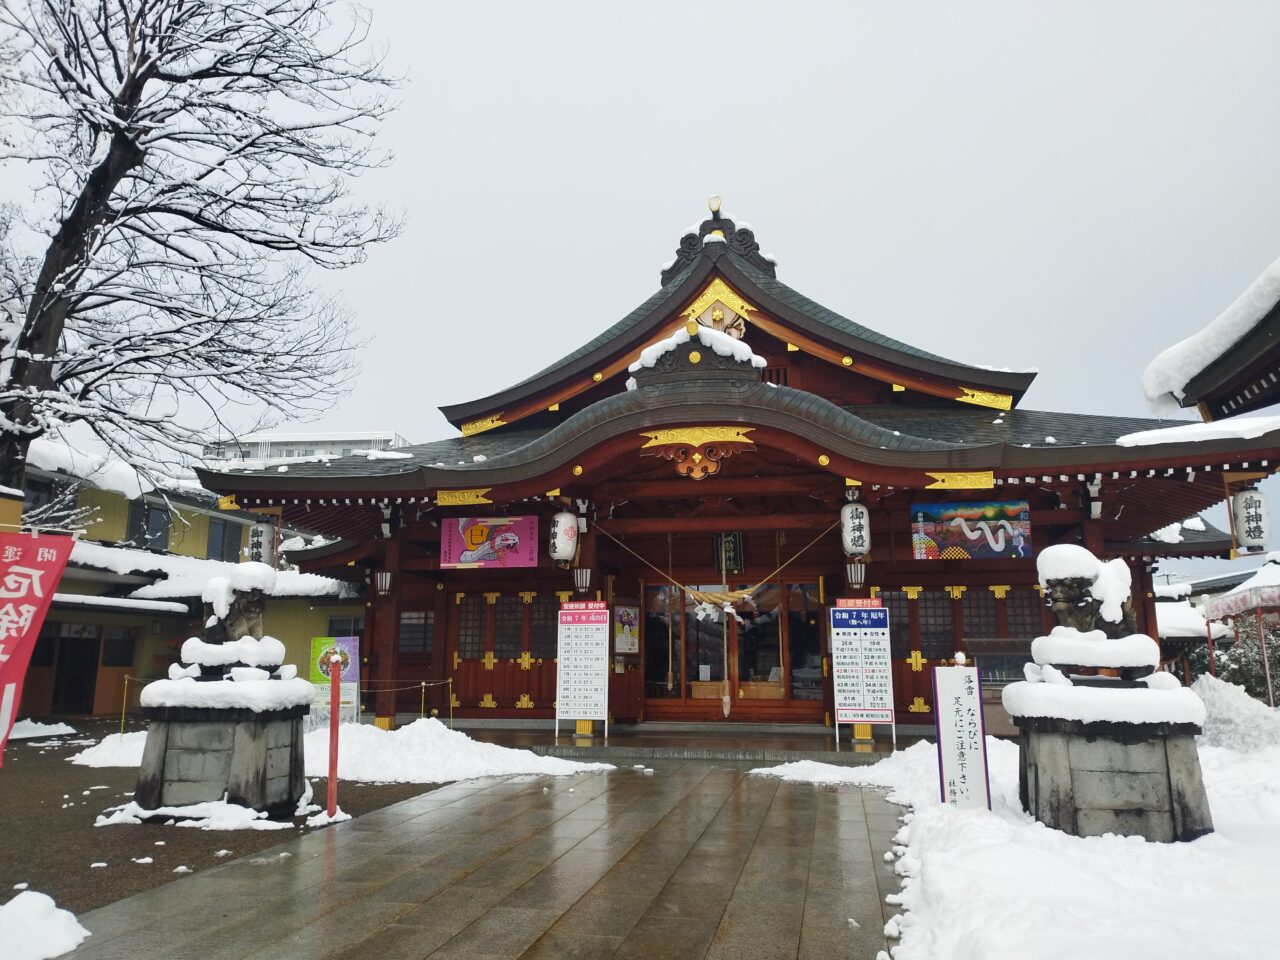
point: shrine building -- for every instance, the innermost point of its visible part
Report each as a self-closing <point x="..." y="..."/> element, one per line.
<point x="731" y="433"/>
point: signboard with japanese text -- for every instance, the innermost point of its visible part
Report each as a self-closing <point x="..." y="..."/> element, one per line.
<point x="262" y="543"/>
<point x="488" y="542"/>
<point x="962" y="742"/>
<point x="861" y="669"/>
<point x="859" y="602"/>
<point x="322" y="651"/>
<point x="30" y="569"/>
<point x="582" y="651"/>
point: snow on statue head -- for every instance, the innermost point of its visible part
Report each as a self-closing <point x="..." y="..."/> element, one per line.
<point x="1085" y="593"/>
<point x="234" y="605"/>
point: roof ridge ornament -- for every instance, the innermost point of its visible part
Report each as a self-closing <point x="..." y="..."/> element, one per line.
<point x="740" y="241"/>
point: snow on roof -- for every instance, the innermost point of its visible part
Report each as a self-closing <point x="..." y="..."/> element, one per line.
<point x="1173" y="591"/>
<point x="1239" y="428"/>
<point x="1178" y="618"/>
<point x="271" y="436"/>
<point x="1260" y="590"/>
<point x="1166" y="377"/>
<point x="124" y="603"/>
<point x="721" y="343"/>
<point x="188" y="576"/>
<point x="103" y="472"/>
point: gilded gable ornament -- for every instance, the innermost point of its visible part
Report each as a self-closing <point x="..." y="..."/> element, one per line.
<point x="697" y="451"/>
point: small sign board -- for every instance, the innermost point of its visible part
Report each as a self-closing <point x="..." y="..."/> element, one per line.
<point x="861" y="669"/>
<point x="859" y="602"/>
<point x="626" y="630"/>
<point x="582" y="649"/>
<point x="962" y="741"/>
<point x="729" y="559"/>
<point x="322" y="650"/>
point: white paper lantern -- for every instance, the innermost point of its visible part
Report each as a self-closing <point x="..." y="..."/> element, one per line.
<point x="563" y="546"/>
<point x="1251" y="518"/>
<point x="855" y="530"/>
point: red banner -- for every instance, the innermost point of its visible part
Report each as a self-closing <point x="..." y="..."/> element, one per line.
<point x="30" y="569"/>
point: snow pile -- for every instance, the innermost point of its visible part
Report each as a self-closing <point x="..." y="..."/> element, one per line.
<point x="426" y="751"/>
<point x="1237" y="428"/>
<point x="255" y="691"/>
<point x="1166" y="377"/>
<point x="322" y="819"/>
<point x="1235" y="720"/>
<point x="116" y="750"/>
<point x="33" y="928"/>
<point x="1066" y="645"/>
<point x="188" y="576"/>
<point x="28" y="729"/>
<point x="219" y="815"/>
<point x="997" y="885"/>
<point x="1175" y="591"/>
<point x="382" y="454"/>
<point x="1178" y="618"/>
<point x="721" y="343"/>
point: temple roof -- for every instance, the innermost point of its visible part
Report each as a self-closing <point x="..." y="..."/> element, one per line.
<point x="735" y="257"/>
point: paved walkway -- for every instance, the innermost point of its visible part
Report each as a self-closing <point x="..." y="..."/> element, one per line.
<point x="696" y="860"/>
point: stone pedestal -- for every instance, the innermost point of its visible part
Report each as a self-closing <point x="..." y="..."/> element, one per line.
<point x="1131" y="779"/>
<point x="200" y="754"/>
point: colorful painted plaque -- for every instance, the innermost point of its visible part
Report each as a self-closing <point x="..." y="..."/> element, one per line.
<point x="476" y="542"/>
<point x="990" y="530"/>
<point x="626" y="630"/>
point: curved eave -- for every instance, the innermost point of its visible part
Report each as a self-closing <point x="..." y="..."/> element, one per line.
<point x="812" y="422"/>
<point x="716" y="258"/>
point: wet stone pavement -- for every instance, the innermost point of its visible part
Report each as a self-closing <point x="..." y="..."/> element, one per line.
<point x="695" y="860"/>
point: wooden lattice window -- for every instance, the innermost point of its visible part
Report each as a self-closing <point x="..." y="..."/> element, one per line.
<point x="978" y="608"/>
<point x="508" y="626"/>
<point x="937" y="641"/>
<point x="473" y="620"/>
<point x="1022" y="607"/>
<point x="417" y="632"/>
<point x="543" y="624"/>
<point x="895" y="601"/>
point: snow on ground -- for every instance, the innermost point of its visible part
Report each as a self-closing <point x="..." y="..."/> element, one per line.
<point x="425" y="751"/>
<point x="219" y="815"/>
<point x="996" y="885"/>
<point x="35" y="929"/>
<point x="27" y="729"/>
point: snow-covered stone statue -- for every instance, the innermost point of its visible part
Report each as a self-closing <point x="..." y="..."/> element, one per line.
<point x="227" y="723"/>
<point x="1107" y="741"/>
<point x="1086" y="594"/>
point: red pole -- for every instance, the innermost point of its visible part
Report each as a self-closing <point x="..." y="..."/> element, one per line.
<point x="1208" y="632"/>
<point x="335" y="713"/>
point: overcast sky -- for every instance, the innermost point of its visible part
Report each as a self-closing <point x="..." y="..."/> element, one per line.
<point x="1071" y="186"/>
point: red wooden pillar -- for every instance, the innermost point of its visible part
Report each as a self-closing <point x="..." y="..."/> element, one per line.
<point x="386" y="626"/>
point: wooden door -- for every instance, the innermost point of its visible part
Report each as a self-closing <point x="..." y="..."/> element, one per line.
<point x="470" y="649"/>
<point x="76" y="673"/>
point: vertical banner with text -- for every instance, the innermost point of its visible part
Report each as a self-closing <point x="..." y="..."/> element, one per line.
<point x="30" y="568"/>
<point x="861" y="668"/>
<point x="582" y="649"/>
<point x="962" y="742"/>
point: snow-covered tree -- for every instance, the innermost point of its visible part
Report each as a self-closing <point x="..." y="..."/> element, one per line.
<point x="190" y="161"/>
<point x="1239" y="657"/>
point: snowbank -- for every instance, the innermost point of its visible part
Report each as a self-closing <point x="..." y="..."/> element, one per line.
<point x="1167" y="376"/>
<point x="1066" y="645"/>
<point x="425" y="751"/>
<point x="29" y="729"/>
<point x="33" y="928"/>
<point x="116" y="750"/>
<point x="1235" y="720"/>
<point x="220" y="815"/>
<point x="996" y="885"/>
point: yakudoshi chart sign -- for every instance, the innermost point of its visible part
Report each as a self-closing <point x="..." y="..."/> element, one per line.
<point x="582" y="673"/>
<point x="30" y="568"/>
<point x="862" y="673"/>
<point x="962" y="742"/>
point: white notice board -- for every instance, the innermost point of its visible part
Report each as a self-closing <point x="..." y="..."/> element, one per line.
<point x="962" y="742"/>
<point x="862" y="673"/>
<point x="582" y="674"/>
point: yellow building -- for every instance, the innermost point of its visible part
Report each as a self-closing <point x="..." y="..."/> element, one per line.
<point x="131" y="593"/>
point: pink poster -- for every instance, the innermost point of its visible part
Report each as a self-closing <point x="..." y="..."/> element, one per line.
<point x="474" y="542"/>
